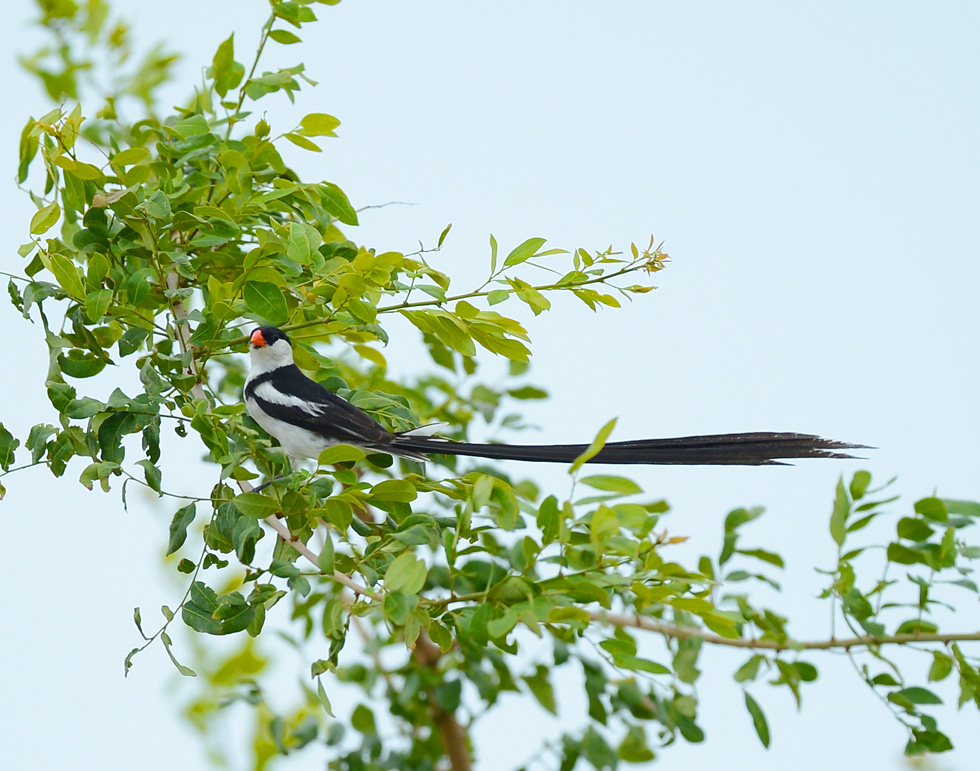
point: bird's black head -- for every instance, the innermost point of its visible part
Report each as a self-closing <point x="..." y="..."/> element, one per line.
<point x="264" y="336"/>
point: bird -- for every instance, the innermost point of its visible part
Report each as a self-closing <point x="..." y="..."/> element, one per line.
<point x="306" y="419"/>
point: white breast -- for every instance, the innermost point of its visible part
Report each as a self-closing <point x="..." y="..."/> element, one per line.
<point x="297" y="442"/>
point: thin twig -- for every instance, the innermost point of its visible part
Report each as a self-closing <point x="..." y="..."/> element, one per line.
<point x="383" y="205"/>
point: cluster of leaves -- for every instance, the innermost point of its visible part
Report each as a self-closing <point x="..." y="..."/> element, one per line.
<point x="158" y="239"/>
<point x="181" y="231"/>
<point x="929" y="547"/>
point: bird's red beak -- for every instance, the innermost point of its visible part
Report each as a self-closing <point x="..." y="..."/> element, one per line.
<point x="257" y="340"/>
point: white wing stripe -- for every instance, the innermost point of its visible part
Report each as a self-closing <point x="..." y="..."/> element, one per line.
<point x="427" y="430"/>
<point x="273" y="395"/>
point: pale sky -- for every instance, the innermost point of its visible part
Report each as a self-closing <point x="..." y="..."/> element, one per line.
<point x="812" y="169"/>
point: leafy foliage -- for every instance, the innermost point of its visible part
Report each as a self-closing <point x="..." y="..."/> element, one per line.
<point x="158" y="240"/>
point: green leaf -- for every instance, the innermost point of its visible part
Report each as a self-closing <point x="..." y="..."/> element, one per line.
<point x="734" y="520"/>
<point x="885" y="679"/>
<point x="44" y="218"/>
<point x="198" y="611"/>
<point x="838" y="519"/>
<point x="859" y="484"/>
<point x="178" y="526"/>
<point x="857" y="605"/>
<point x="227" y="72"/>
<point x="913" y="529"/>
<point x="593" y="449"/>
<point x="528" y="392"/>
<point x="638" y="664"/>
<point x="597" y="750"/>
<point x="447" y="695"/>
<point x="966" y="508"/>
<point x="300" y="141"/>
<point x="613" y="484"/>
<point x="928" y="741"/>
<point x="37" y="440"/>
<point x="98" y="471"/>
<point x="761" y="554"/>
<point x="28" y="149"/>
<point x="758" y="719"/>
<point x="130" y="156"/>
<point x="66" y="274"/>
<point x="903" y="555"/>
<point x="131" y="340"/>
<point x="302" y="241"/>
<point x="750" y="669"/>
<point x="394" y="490"/>
<point x="634" y="748"/>
<point x="8" y="444"/>
<point x="151" y="473"/>
<point x="158" y="206"/>
<point x="167" y="645"/>
<point x="406" y="574"/>
<point x="942" y="666"/>
<point x="442" y="236"/>
<point x="524" y="252"/>
<point x="335" y="201"/>
<point x="362" y="721"/>
<point x="322" y="695"/>
<point x="396" y="608"/>
<point x="325" y="559"/>
<point x="266" y="301"/>
<point x="340" y="453"/>
<point x="540" y="687"/>
<point x="244" y="536"/>
<point x="932" y="508"/>
<point x="549" y="520"/>
<point x="917" y="695"/>
<point x="318" y="124"/>
<point x="111" y="433"/>
<point x="916" y="626"/>
<point x="256" y="505"/>
<point x="536" y="301"/>
<point x="97" y="303"/>
<point x="285" y="37"/>
<point x="234" y="613"/>
<point x="80" y="364"/>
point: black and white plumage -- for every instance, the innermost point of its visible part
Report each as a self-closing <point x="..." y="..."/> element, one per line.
<point x="306" y="418"/>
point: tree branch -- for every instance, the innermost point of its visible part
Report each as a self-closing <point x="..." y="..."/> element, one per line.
<point x="864" y="641"/>
<point x="453" y="734"/>
<point x="183" y="333"/>
<point x="341" y="578"/>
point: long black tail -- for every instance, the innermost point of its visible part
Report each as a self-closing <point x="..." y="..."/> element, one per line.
<point x="760" y="449"/>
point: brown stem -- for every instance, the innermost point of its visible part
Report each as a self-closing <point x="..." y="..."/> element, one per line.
<point x="864" y="641"/>
<point x="183" y="333"/>
<point x="452" y="733"/>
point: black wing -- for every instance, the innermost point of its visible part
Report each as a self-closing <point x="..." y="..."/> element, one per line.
<point x="327" y="414"/>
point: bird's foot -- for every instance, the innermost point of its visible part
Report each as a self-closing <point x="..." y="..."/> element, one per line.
<point x="261" y="487"/>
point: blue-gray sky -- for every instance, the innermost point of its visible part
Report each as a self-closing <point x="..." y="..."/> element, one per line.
<point x="813" y="171"/>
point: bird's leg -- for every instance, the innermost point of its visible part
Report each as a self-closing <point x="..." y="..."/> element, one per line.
<point x="291" y="463"/>
<point x="261" y="487"/>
